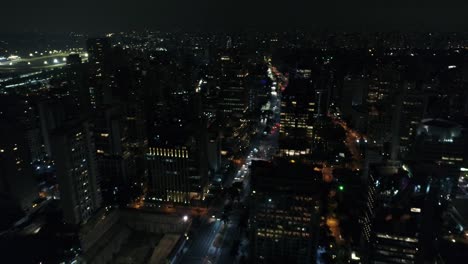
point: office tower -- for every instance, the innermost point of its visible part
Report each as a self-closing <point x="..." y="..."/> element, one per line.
<point x="213" y="151"/>
<point x="74" y="154"/>
<point x="259" y="91"/>
<point x="98" y="50"/>
<point x="380" y="101"/>
<point x="116" y="95"/>
<point x="379" y="91"/>
<point x="113" y="160"/>
<point x="35" y="143"/>
<point x="108" y="129"/>
<point x="20" y="145"/>
<point x="100" y="90"/>
<point x="134" y="123"/>
<point x="403" y="213"/>
<point x="359" y="116"/>
<point x="353" y="94"/>
<point x="234" y="96"/>
<point x="298" y="108"/>
<point x="16" y="176"/>
<point x="284" y="212"/>
<point x="373" y="175"/>
<point x="230" y="76"/>
<point x="52" y="115"/>
<point x="410" y="109"/>
<point x="177" y="165"/>
<point x="169" y="172"/>
<point x="77" y="84"/>
<point x="24" y="111"/>
<point x="442" y="143"/>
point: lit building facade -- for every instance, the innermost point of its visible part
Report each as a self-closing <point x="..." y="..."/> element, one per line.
<point x="402" y="214"/>
<point x="284" y="212"/>
<point x="298" y="109"/>
<point x="411" y="109"/>
<point x="169" y="170"/>
<point x="442" y="143"/>
<point x="177" y="165"/>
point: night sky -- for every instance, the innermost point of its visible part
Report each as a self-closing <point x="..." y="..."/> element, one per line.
<point x="110" y="15"/>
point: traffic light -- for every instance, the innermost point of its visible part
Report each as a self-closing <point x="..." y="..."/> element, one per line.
<point x="341" y="188"/>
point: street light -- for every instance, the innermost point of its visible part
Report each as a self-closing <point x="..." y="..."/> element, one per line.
<point x="185" y="218"/>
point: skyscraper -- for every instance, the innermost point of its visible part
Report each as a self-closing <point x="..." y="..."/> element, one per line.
<point x="284" y="215"/>
<point x="403" y="213"/>
<point x="16" y="175"/>
<point x="443" y="144"/>
<point x="99" y="83"/>
<point x="20" y="145"/>
<point x="298" y="108"/>
<point x="177" y="165"/>
<point x="234" y="96"/>
<point x="74" y="155"/>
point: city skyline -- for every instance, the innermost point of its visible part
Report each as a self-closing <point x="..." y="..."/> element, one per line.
<point x="214" y="144"/>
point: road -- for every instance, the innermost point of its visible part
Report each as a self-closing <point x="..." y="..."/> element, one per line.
<point x="214" y="240"/>
<point x="263" y="147"/>
<point x="352" y="141"/>
<point x="203" y="248"/>
<point x="200" y="249"/>
<point x="37" y="62"/>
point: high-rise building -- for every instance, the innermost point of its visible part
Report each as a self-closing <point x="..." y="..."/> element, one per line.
<point x="411" y="112"/>
<point x="234" y="100"/>
<point x="99" y="50"/>
<point x="25" y="112"/>
<point x="52" y="115"/>
<point x="113" y="160"/>
<point x="234" y="96"/>
<point x="116" y="92"/>
<point x="169" y="172"/>
<point x="74" y="154"/>
<point x="20" y="146"/>
<point x="16" y="175"/>
<point x="383" y="86"/>
<point x="353" y="94"/>
<point x="177" y="165"/>
<point x="77" y="84"/>
<point x="442" y="143"/>
<point x="403" y="213"/>
<point x="213" y="151"/>
<point x="284" y="215"/>
<point x="298" y="108"/>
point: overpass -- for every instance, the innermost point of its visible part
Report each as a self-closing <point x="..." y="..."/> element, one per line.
<point x="48" y="61"/>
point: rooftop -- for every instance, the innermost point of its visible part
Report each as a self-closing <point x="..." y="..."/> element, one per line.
<point x="285" y="175"/>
